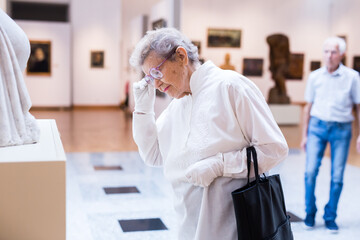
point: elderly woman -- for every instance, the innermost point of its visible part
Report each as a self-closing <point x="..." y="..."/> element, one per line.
<point x="200" y="139"/>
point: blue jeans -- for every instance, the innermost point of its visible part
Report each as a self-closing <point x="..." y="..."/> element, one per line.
<point x="319" y="134"/>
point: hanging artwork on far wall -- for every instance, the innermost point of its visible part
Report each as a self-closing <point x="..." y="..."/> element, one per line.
<point x="161" y="23"/>
<point x="315" y="65"/>
<point x="40" y="58"/>
<point x="97" y="59"/>
<point x="296" y="66"/>
<point x="356" y="63"/>
<point x="253" y="67"/>
<point x="343" y="61"/>
<point x="224" y="38"/>
<point x="198" y="45"/>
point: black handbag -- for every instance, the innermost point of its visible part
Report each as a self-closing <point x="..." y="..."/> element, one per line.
<point x="260" y="207"/>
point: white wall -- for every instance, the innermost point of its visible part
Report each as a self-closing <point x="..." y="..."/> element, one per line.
<point x="346" y="18"/>
<point x="96" y="25"/>
<point x="306" y="22"/>
<point x="134" y="29"/>
<point x="162" y="9"/>
<point x="165" y="10"/>
<point x="135" y="33"/>
<point x="54" y="90"/>
<point x="133" y="14"/>
<point x="3" y="5"/>
<point x="115" y="26"/>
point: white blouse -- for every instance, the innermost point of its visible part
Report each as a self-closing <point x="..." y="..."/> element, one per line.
<point x="225" y="113"/>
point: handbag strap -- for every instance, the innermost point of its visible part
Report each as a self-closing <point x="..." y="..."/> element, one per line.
<point x="251" y="151"/>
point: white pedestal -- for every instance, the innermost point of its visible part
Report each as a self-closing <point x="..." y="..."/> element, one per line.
<point x="286" y="114"/>
<point x="32" y="188"/>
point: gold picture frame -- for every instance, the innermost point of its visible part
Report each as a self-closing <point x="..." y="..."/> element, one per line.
<point x="40" y="58"/>
<point x="230" y="38"/>
<point x="97" y="59"/>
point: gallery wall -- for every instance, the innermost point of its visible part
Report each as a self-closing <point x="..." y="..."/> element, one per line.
<point x="53" y="90"/>
<point x="136" y="31"/>
<point x="160" y="10"/>
<point x="345" y="21"/>
<point x="114" y="26"/>
<point x="3" y="5"/>
<point x="163" y="10"/>
<point x="96" y="26"/>
<point x="307" y="23"/>
<point x="73" y="82"/>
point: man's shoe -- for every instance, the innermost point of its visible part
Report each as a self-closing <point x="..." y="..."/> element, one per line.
<point x="309" y="221"/>
<point x="331" y="226"/>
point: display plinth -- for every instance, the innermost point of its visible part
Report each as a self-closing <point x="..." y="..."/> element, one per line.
<point x="32" y="188"/>
<point x="286" y="114"/>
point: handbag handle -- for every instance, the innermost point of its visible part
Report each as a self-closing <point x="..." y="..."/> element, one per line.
<point x="251" y="151"/>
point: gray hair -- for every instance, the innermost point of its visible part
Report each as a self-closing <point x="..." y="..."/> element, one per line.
<point x="162" y="41"/>
<point x="340" y="42"/>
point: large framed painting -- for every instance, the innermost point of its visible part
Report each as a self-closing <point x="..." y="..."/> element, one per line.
<point x="296" y="66"/>
<point x="356" y="63"/>
<point x="253" y="67"/>
<point x="97" y="59"/>
<point x="40" y="58"/>
<point x="224" y="38"/>
<point x="161" y="23"/>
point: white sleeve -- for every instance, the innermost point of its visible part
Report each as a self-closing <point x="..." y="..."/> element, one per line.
<point x="145" y="136"/>
<point x="355" y="90"/>
<point x="260" y="130"/>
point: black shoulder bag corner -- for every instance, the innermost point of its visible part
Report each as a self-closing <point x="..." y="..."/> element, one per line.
<point x="260" y="207"/>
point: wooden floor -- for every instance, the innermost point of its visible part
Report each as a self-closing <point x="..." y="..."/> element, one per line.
<point x="100" y="130"/>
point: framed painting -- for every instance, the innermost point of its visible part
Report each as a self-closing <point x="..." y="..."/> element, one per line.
<point x="296" y="66"/>
<point x="315" y="65"/>
<point x="224" y="38"/>
<point x="356" y="63"/>
<point x="253" y="67"/>
<point x="198" y="45"/>
<point x="97" y="59"/>
<point x="161" y="23"/>
<point x="343" y="61"/>
<point x="40" y="58"/>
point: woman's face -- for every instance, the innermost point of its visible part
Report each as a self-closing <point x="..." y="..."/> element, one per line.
<point x="176" y="74"/>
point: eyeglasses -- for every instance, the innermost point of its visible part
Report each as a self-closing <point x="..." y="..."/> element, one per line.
<point x="155" y="72"/>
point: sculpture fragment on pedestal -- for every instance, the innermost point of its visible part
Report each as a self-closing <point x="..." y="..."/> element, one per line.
<point x="17" y="125"/>
<point x="279" y="65"/>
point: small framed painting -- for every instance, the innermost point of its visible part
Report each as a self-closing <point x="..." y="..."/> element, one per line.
<point x="198" y="45"/>
<point x="161" y="23"/>
<point x="253" y="67"/>
<point x="315" y="65"/>
<point x="40" y="58"/>
<point x="356" y="64"/>
<point x="97" y="59"/>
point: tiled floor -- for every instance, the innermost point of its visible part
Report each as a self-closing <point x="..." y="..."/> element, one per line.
<point x="146" y="196"/>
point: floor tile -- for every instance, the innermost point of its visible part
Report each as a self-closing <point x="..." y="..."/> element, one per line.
<point x="107" y="168"/>
<point x="293" y="217"/>
<point x="120" y="190"/>
<point x="147" y="224"/>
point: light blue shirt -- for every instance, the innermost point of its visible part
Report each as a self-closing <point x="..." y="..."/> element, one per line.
<point x="333" y="95"/>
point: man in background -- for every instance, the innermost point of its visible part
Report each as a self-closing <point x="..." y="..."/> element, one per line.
<point x="331" y="93"/>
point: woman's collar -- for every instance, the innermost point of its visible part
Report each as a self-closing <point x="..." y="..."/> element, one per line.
<point x="197" y="78"/>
